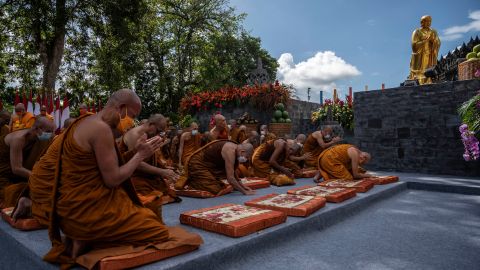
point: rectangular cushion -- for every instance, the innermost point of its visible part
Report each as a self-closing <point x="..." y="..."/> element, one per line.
<point x="383" y="180"/>
<point x="358" y="185"/>
<point x="233" y="220"/>
<point x="253" y="182"/>
<point x="290" y="204"/>
<point x="23" y="224"/>
<point x="334" y="195"/>
<point x="308" y="173"/>
<point x="195" y="193"/>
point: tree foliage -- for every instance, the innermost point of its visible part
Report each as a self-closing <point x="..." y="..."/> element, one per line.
<point x="164" y="49"/>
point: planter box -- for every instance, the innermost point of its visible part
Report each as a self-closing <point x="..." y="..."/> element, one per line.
<point x="467" y="69"/>
<point x="280" y="129"/>
<point x="250" y="127"/>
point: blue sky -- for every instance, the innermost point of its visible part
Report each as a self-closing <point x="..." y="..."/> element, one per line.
<point x="351" y="43"/>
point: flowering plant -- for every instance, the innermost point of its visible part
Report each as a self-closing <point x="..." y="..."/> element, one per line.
<point x="263" y="96"/>
<point x="470" y="115"/>
<point x="342" y="112"/>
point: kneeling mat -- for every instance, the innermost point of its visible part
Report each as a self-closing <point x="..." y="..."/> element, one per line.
<point x="334" y="195"/>
<point x="290" y="204"/>
<point x="358" y="185"/>
<point x="196" y="193"/>
<point x="232" y="219"/>
<point x="383" y="180"/>
<point x="23" y="224"/>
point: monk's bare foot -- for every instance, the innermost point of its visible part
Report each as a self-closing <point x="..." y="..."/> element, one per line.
<point x="317" y="178"/>
<point x="23" y="209"/>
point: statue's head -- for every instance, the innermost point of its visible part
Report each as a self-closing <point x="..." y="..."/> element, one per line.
<point x="426" y="21"/>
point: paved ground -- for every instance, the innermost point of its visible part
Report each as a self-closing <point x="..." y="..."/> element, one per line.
<point x="412" y="230"/>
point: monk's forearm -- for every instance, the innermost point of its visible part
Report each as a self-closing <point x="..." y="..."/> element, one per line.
<point x="22" y="172"/>
<point x="237" y="185"/>
<point x="148" y="169"/>
<point x="123" y="172"/>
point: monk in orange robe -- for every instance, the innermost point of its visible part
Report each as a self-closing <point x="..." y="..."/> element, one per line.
<point x="206" y="167"/>
<point x="21" y="119"/>
<point x="233" y="130"/>
<point x="19" y="151"/>
<point x="190" y="142"/>
<point x="268" y="161"/>
<point x="316" y="143"/>
<point x="220" y="130"/>
<point x="266" y="135"/>
<point x="149" y="180"/>
<point x="343" y="162"/>
<point x="93" y="201"/>
<point x="43" y="112"/>
<point x="295" y="160"/>
<point x="242" y="134"/>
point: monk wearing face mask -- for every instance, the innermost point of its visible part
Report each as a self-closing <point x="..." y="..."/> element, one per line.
<point x="19" y="151"/>
<point x="316" y="143"/>
<point x="189" y="143"/>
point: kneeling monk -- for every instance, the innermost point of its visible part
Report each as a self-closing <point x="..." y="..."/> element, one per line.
<point x="268" y="161"/>
<point x="343" y="162"/>
<point x="150" y="181"/>
<point x="93" y="201"/>
<point x="19" y="151"/>
<point x="316" y="143"/>
<point x="205" y="169"/>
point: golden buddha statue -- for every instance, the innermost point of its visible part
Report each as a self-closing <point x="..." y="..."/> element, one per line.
<point x="425" y="46"/>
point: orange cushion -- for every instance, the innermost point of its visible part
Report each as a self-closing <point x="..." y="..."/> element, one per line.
<point x="358" y="185"/>
<point x="23" y="224"/>
<point x="254" y="182"/>
<point x="233" y="220"/>
<point x="290" y="204"/>
<point x="140" y="258"/>
<point x="308" y="173"/>
<point x="382" y="180"/>
<point x="196" y="193"/>
<point x="330" y="194"/>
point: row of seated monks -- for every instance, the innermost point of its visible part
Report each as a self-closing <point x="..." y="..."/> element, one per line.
<point x="101" y="182"/>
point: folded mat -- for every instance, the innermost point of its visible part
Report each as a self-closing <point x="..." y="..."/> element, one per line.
<point x="334" y="195"/>
<point x="290" y="204"/>
<point x="358" y="185"/>
<point x="180" y="242"/>
<point x="383" y="180"/>
<point x="23" y="224"/>
<point x="308" y="173"/>
<point x="232" y="219"/>
<point x="196" y="193"/>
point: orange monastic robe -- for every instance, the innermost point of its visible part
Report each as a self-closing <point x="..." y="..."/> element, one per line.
<point x="27" y="121"/>
<point x="190" y="146"/>
<point x="234" y="132"/>
<point x="84" y="208"/>
<point x="205" y="169"/>
<point x="242" y="136"/>
<point x="334" y="163"/>
<point x="262" y="167"/>
<point x="311" y="145"/>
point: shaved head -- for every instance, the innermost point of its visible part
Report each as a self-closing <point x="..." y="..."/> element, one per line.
<point x="365" y="157"/>
<point x="301" y="138"/>
<point x="220" y="122"/>
<point x="157" y="119"/>
<point x="243" y="127"/>
<point x="194" y="125"/>
<point x="124" y="97"/>
<point x="44" y="124"/>
<point x="19" y="107"/>
<point x="247" y="147"/>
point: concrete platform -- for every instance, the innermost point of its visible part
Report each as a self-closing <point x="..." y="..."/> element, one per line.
<point x="24" y="250"/>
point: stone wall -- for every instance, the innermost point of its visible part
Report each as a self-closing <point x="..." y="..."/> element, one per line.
<point x="299" y="112"/>
<point x="415" y="129"/>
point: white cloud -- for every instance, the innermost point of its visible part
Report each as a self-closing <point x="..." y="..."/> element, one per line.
<point x="456" y="32"/>
<point x="319" y="72"/>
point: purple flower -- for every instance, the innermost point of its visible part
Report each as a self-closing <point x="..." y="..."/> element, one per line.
<point x="470" y="142"/>
<point x="466" y="157"/>
<point x="463" y="128"/>
<point x="477" y="73"/>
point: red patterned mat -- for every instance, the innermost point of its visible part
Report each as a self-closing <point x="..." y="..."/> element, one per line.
<point x="253" y="182"/>
<point x="195" y="193"/>
<point x="383" y="180"/>
<point x="308" y="173"/>
<point x="232" y="219"/>
<point x="334" y="195"/>
<point x="290" y="204"/>
<point x="359" y="185"/>
<point x="23" y="224"/>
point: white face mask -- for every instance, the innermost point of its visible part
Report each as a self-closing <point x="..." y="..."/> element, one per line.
<point x="45" y="136"/>
<point x="229" y="126"/>
<point x="263" y="132"/>
<point x="300" y="144"/>
<point x="194" y="132"/>
<point x="242" y="159"/>
<point x="327" y="137"/>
